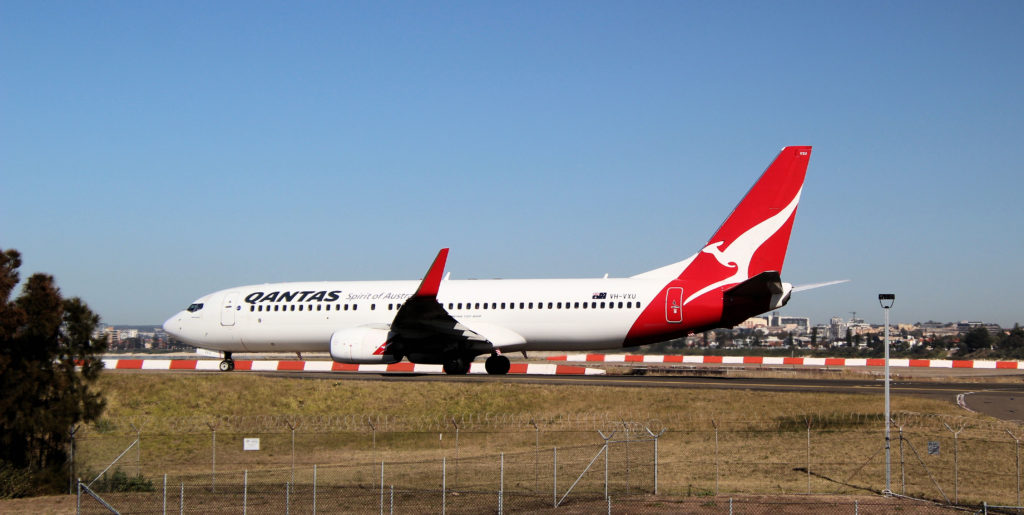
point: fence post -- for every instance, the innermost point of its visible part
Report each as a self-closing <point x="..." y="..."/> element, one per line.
<point x="314" y="489"/>
<point x="808" y="420"/>
<point x="956" y="462"/>
<point x="714" y="423"/>
<point x="138" y="449"/>
<point x="292" y="425"/>
<point x="606" y="438"/>
<point x="536" y="457"/>
<point x="655" y="436"/>
<point x="287" y="498"/>
<point x="903" y="468"/>
<point x="455" y="479"/>
<point x="245" y="491"/>
<point x="213" y="456"/>
<point x="444" y="483"/>
<point x="554" y="476"/>
<point x="381" y="487"/>
<point x="71" y="460"/>
<point x="392" y="499"/>
<point x="625" y="429"/>
<point x="181" y="499"/>
<point x="165" y="494"/>
<point x="501" y="484"/>
<point x="1016" y="468"/>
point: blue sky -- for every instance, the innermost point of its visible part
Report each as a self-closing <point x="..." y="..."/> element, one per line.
<point x="154" y="152"/>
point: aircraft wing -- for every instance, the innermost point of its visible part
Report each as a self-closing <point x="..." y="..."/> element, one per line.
<point x="422" y="325"/>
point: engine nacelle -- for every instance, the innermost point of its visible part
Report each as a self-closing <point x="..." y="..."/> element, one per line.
<point x="361" y="345"/>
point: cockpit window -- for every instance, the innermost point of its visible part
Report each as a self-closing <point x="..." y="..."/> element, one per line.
<point x="195" y="307"/>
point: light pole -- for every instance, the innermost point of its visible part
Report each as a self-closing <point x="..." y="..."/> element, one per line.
<point x="886" y="300"/>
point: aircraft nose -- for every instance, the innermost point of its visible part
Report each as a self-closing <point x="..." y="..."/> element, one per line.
<point x="173" y="326"/>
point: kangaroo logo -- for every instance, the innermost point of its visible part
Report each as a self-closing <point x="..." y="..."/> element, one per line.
<point x="737" y="255"/>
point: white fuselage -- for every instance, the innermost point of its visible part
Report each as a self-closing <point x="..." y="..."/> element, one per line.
<point x="515" y="315"/>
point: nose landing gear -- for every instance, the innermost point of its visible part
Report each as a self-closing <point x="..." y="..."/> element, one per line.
<point x="228" y="364"/>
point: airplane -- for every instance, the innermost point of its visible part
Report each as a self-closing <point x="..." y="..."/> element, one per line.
<point x="734" y="276"/>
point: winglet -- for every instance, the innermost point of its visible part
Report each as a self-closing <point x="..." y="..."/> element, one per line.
<point x="432" y="281"/>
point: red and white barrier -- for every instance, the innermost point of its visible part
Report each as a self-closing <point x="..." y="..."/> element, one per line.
<point x="330" y="366"/>
<point x="812" y="362"/>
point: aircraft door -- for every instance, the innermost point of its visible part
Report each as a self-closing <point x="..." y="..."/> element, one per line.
<point x="674" y="305"/>
<point x="227" y="312"/>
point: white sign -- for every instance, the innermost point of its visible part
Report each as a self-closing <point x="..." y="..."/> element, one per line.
<point x="251" y="444"/>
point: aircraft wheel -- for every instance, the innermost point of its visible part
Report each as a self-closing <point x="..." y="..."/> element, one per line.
<point x="456" y="366"/>
<point x="227" y="365"/>
<point x="497" y="364"/>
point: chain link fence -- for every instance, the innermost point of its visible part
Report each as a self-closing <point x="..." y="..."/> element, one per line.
<point x="519" y="463"/>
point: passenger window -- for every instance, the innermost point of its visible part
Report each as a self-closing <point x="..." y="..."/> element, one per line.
<point x="373" y="307"/>
<point x="477" y="306"/>
<point x="531" y="305"/>
<point x="620" y="305"/>
<point x="355" y="307"/>
<point x="485" y="305"/>
<point x="391" y="307"/>
<point x="319" y="307"/>
<point x="459" y="306"/>
<point x="559" y="305"/>
<point x="550" y="304"/>
<point x="300" y="307"/>
<point x="502" y="305"/>
<point x="521" y="304"/>
<point x="576" y="305"/>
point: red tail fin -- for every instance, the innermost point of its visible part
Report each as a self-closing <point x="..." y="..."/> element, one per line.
<point x="753" y="239"/>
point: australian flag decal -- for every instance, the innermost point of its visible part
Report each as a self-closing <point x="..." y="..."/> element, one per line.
<point x="600" y="296"/>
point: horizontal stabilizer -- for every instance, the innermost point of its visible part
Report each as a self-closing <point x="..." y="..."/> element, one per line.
<point x="763" y="292"/>
<point x="762" y="284"/>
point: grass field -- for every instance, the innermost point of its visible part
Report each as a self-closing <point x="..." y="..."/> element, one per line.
<point x="715" y="441"/>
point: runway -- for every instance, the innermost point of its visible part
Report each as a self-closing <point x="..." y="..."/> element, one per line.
<point x="1000" y="400"/>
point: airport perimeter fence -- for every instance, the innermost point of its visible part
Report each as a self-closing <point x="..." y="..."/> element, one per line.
<point x="475" y="463"/>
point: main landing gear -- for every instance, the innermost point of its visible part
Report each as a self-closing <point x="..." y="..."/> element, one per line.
<point x="457" y="365"/>
<point x="497" y="364"/>
<point x="228" y="364"/>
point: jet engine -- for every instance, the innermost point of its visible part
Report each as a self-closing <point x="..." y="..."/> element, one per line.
<point x="361" y="345"/>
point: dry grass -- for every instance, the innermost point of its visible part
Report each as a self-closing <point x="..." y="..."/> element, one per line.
<point x="762" y="436"/>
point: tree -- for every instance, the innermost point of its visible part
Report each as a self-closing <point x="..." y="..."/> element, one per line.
<point x="977" y="339"/>
<point x="1012" y="345"/>
<point x="43" y="338"/>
